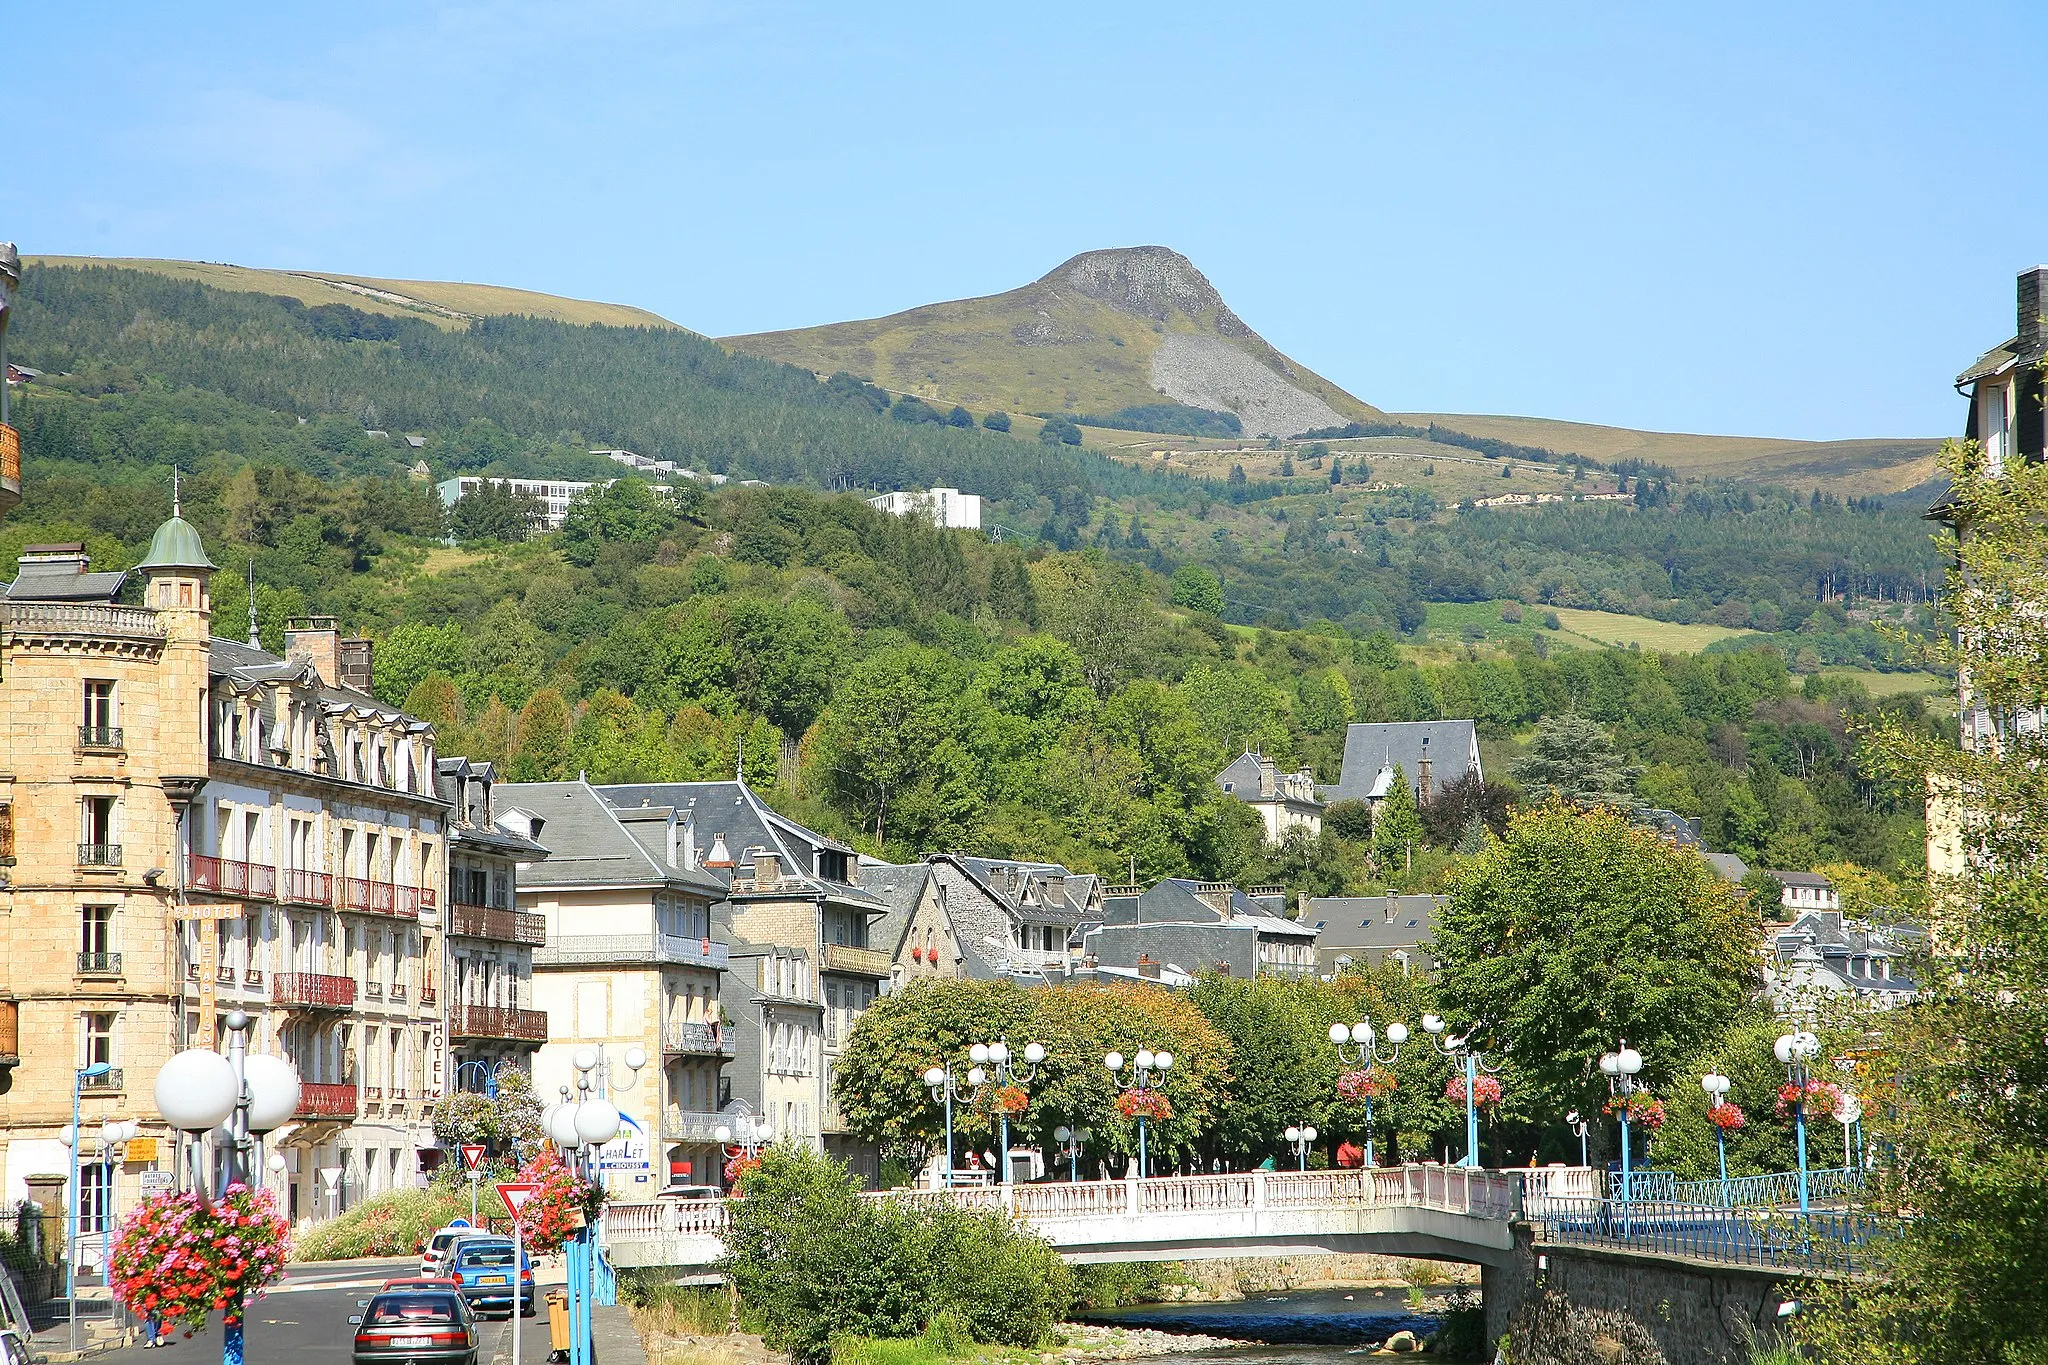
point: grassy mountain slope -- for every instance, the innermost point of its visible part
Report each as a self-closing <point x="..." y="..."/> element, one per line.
<point x="451" y="305"/>
<point x="1104" y="331"/>
<point x="1868" y="466"/>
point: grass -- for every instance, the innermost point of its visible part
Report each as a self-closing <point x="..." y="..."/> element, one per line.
<point x="390" y="1225"/>
<point x="1665" y="637"/>
<point x="1892" y="684"/>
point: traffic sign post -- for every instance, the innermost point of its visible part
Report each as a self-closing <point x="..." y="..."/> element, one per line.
<point x="473" y="1159"/>
<point x="514" y="1193"/>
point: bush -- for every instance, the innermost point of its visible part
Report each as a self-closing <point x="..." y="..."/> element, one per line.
<point x="679" y="1310"/>
<point x="823" y="1268"/>
<point x="1463" y="1334"/>
<point x="997" y="421"/>
<point x="394" y="1224"/>
<point x="1117" y="1284"/>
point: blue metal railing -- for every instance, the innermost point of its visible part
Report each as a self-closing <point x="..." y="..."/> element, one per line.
<point x="1771" y="1238"/>
<point x="1777" y="1189"/>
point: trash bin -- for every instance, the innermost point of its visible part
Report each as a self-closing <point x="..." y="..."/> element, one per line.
<point x="558" y="1324"/>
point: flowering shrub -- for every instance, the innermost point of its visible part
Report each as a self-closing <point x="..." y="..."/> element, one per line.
<point x="1820" y="1098"/>
<point x="1010" y="1099"/>
<point x="180" y="1260"/>
<point x="1485" y="1091"/>
<point x="563" y="1203"/>
<point x="1371" y="1083"/>
<point x="1725" y="1116"/>
<point x="1642" y="1107"/>
<point x="738" y="1166"/>
<point x="1144" y="1104"/>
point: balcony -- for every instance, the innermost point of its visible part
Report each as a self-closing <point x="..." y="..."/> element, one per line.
<point x="858" y="961"/>
<point x="504" y="926"/>
<point x="99" y="855"/>
<point x="373" y="990"/>
<point x="575" y="950"/>
<point x="104" y="739"/>
<point x="58" y="622"/>
<point x="10" y="467"/>
<point x="691" y="1039"/>
<point x="381" y="898"/>
<point x="300" y="887"/>
<point x="325" y="1100"/>
<point x="228" y="877"/>
<point x="312" y="991"/>
<point x="499" y="1021"/>
<point x="106" y="1083"/>
<point x="99" y="964"/>
<point x="690" y="1125"/>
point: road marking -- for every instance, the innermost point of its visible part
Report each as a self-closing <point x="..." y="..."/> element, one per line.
<point x="321" y="1286"/>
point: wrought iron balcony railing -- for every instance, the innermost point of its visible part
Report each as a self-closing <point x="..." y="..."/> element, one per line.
<point x="326" y="1100"/>
<point x="99" y="855"/>
<point x="100" y="737"/>
<point x="313" y="990"/>
<point x="689" y="1038"/>
<point x="230" y="877"/>
<point x="493" y="922"/>
<point x="99" y="964"/>
<point x="499" y="1021"/>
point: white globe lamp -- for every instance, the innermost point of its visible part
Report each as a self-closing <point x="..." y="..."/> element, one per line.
<point x="636" y="1057"/>
<point x="1034" y="1053"/>
<point x="585" y="1059"/>
<point x="1162" y="1060"/>
<point x="1339" y="1034"/>
<point x="195" y="1090"/>
<point x="273" y="1091"/>
<point x="597" y="1122"/>
<point x="1114" y="1061"/>
<point x="978" y="1053"/>
<point x="723" y="1134"/>
<point x="1397" y="1034"/>
<point x="1145" y="1059"/>
<point x="935" y="1077"/>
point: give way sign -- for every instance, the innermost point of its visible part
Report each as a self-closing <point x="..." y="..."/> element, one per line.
<point x="472" y="1156"/>
<point x="515" y="1193"/>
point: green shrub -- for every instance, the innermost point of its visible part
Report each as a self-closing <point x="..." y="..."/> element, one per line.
<point x="678" y="1309"/>
<point x="1118" y="1284"/>
<point x="1463" y="1334"/>
<point x="393" y="1224"/>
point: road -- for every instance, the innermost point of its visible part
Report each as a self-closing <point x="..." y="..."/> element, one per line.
<point x="304" y="1321"/>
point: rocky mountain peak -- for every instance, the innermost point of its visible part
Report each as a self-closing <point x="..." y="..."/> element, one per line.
<point x="1148" y="282"/>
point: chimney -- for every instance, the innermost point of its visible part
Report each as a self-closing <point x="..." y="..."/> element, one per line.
<point x="1055" y="888"/>
<point x="1215" y="895"/>
<point x="720" y="855"/>
<point x="1147" y="968"/>
<point x="1271" y="899"/>
<point x="316" y="639"/>
<point x="1422" y="772"/>
<point x="767" y="869"/>
<point x="2033" y="298"/>
<point x="354" y="658"/>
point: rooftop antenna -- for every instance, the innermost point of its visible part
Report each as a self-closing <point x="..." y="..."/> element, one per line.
<point x="255" y="636"/>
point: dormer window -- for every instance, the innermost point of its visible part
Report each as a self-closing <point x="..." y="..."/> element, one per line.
<point x="832" y="865"/>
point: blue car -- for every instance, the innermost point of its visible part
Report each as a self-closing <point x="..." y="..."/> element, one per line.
<point x="483" y="1270"/>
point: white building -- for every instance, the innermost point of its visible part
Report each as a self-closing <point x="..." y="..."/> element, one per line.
<point x="554" y="495"/>
<point x="948" y="508"/>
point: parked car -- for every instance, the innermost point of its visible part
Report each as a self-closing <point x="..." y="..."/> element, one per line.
<point x="440" y="1243"/>
<point x="446" y="1282"/>
<point x="415" y="1327"/>
<point x="691" y="1192"/>
<point x="483" y="1267"/>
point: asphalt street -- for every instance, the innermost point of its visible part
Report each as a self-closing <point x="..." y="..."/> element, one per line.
<point x="304" y="1320"/>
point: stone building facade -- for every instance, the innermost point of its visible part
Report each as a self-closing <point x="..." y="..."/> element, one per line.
<point x="492" y="1023"/>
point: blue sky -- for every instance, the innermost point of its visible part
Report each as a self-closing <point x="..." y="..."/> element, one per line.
<point x="1758" y="219"/>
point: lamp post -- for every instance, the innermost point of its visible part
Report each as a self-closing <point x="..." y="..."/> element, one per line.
<point x="1848" y="1110"/>
<point x="113" y="1134"/>
<point x="746" y="1139"/>
<point x="1456" y="1048"/>
<point x="1359" y="1045"/>
<point x="1004" y="1071"/>
<point x="78" y="1080"/>
<point x="199" y="1091"/>
<point x="1717" y="1087"/>
<point x="1301" y="1138"/>
<point x="1071" y="1141"/>
<point x="1621" y="1067"/>
<point x="945" y="1086"/>
<point x="1794" y="1052"/>
<point x="1578" y="1125"/>
<point x="488" y="1085"/>
<point x="1148" y="1072"/>
<point x="581" y="1129"/>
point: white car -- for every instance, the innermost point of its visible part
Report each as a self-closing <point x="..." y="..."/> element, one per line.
<point x="691" y="1192"/>
<point x="439" y="1251"/>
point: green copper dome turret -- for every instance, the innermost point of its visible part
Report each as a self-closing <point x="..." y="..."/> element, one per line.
<point x="176" y="546"/>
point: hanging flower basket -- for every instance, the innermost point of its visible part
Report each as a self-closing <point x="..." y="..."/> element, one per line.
<point x="1369" y="1083"/>
<point x="1011" y="1100"/>
<point x="1144" y="1104"/>
<point x="1727" y="1117"/>
<point x="181" y="1261"/>
<point x="561" y="1205"/>
<point x="737" y="1167"/>
<point x="1486" y="1091"/>
<point x="1820" y="1097"/>
<point x="1644" y="1109"/>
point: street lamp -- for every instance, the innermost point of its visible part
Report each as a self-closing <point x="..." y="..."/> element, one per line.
<point x="581" y="1130"/>
<point x="1004" y="1071"/>
<point x="1794" y="1052"/>
<point x="1301" y="1138"/>
<point x="1717" y="1087"/>
<point x="1148" y="1073"/>
<point x="1071" y="1141"/>
<point x="945" y="1086"/>
<point x="1621" y="1068"/>
<point x="199" y="1091"/>
<point x="1359" y="1045"/>
<point x="1848" y="1112"/>
<point x="747" y="1134"/>
<point x="488" y="1071"/>
<point x="78" y="1080"/>
<point x="1578" y="1125"/>
<point x="1474" y="1064"/>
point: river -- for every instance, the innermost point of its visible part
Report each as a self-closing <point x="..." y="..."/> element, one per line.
<point x="1320" y="1325"/>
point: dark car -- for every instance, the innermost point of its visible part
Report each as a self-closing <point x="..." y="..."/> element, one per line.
<point x="416" y="1327"/>
<point x="483" y="1267"/>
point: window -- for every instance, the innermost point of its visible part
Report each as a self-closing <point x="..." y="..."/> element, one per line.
<point x="99" y="1039"/>
<point x="99" y="705"/>
<point x="96" y="923"/>
<point x="96" y="832"/>
<point x="92" y="1196"/>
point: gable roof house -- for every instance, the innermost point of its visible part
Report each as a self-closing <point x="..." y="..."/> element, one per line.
<point x="805" y="963"/>
<point x="1823" y="953"/>
<point x="1367" y="930"/>
<point x="917" y="933"/>
<point x="1284" y="801"/>
<point x="1012" y="919"/>
<point x="1432" y="754"/>
<point x="1196" y="927"/>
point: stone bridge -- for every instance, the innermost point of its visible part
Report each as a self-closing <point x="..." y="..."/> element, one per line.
<point x="1436" y="1212"/>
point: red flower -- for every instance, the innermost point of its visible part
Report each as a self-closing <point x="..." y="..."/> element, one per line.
<point x="1486" y="1091"/>
<point x="1725" y="1116"/>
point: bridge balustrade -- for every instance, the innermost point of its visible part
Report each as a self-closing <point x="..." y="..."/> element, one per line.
<point x="1831" y="1240"/>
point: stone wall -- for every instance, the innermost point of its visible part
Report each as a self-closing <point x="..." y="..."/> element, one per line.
<point x="1233" y="1278"/>
<point x="1697" y="1313"/>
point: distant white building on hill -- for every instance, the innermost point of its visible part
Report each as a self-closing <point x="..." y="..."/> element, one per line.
<point x="554" y="495"/>
<point x="948" y="508"/>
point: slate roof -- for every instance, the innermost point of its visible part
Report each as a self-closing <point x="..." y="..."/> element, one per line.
<point x="1178" y="900"/>
<point x="1837" y="942"/>
<point x="899" y="887"/>
<point x="1371" y="921"/>
<point x="62" y="579"/>
<point x="1802" y="879"/>
<point x="732" y="809"/>
<point x="1671" y="825"/>
<point x="592" y="845"/>
<point x="1727" y="864"/>
<point x="1452" y="747"/>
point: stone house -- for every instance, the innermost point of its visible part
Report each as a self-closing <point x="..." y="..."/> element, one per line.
<point x="1201" y="926"/>
<point x="630" y="960"/>
<point x="489" y="983"/>
<point x="1802" y="892"/>
<point x="1284" y="801"/>
<point x="1367" y="930"/>
<point x="1431" y="754"/>
<point x="1010" y="918"/>
<point x="189" y="825"/>
<point x="917" y="933"/>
